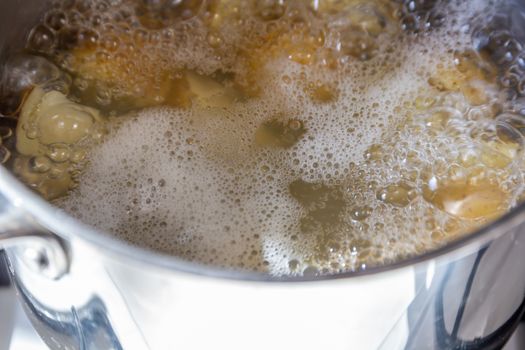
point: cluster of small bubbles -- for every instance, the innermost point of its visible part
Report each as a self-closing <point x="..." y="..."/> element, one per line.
<point x="502" y="40"/>
<point x="288" y="137"/>
<point x="354" y="30"/>
<point x="164" y="14"/>
<point x="137" y="48"/>
<point x="281" y="185"/>
<point x="422" y="15"/>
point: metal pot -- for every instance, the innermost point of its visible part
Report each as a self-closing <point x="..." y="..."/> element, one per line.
<point x="83" y="289"/>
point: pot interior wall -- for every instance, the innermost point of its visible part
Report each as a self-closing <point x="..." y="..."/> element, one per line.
<point x="16" y="18"/>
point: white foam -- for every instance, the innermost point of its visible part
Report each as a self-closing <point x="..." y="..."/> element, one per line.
<point x="217" y="205"/>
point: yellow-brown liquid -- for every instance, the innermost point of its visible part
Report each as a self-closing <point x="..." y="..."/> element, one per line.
<point x="281" y="136"/>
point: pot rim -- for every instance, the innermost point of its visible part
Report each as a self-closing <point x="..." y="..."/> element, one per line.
<point x="64" y="225"/>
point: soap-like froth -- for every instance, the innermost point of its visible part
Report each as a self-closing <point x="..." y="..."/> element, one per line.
<point x="195" y="183"/>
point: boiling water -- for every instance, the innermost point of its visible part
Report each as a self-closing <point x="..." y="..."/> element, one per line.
<point x="280" y="136"/>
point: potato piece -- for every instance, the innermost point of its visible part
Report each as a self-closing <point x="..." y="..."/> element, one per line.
<point x="447" y="80"/>
<point x="51" y="137"/>
<point x="482" y="200"/>
<point x="49" y="117"/>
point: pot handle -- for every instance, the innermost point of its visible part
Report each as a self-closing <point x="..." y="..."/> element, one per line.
<point x="42" y="251"/>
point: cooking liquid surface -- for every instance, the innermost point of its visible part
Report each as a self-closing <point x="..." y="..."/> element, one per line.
<point x="280" y="136"/>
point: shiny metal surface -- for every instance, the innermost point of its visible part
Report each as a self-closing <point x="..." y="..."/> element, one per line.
<point x="44" y="252"/>
<point x="109" y="302"/>
<point x="7" y="319"/>
<point x="86" y="290"/>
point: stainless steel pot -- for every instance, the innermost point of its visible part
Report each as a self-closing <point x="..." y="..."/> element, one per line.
<point x="83" y="289"/>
